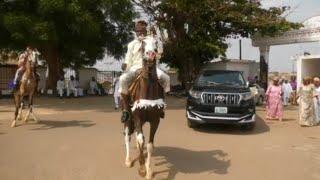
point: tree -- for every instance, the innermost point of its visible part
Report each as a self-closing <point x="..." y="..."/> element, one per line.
<point x="68" y="33"/>
<point x="197" y="30"/>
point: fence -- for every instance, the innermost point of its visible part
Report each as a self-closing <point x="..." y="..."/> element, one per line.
<point x="7" y="73"/>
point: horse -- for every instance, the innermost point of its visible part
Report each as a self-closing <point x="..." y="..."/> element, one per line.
<point x="147" y="96"/>
<point x="27" y="87"/>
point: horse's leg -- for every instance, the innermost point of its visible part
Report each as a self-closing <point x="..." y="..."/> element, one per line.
<point x="140" y="146"/>
<point x="20" y="107"/>
<point x="29" y="108"/>
<point x="153" y="129"/>
<point x="17" y="106"/>
<point x="127" y="143"/>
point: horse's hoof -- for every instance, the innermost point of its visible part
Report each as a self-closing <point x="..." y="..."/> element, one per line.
<point x="13" y="124"/>
<point x="149" y="176"/>
<point x="142" y="172"/>
<point x="128" y="164"/>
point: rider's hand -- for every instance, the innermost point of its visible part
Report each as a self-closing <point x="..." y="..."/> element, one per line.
<point x="124" y="66"/>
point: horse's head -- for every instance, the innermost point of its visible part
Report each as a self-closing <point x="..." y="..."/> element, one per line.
<point x="33" y="56"/>
<point x="149" y="52"/>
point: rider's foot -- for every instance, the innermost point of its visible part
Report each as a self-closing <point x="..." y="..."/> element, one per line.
<point x="125" y="116"/>
<point x="162" y="114"/>
<point x="15" y="85"/>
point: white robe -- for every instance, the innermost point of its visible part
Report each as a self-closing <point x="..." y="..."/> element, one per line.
<point x="287" y="90"/>
<point x="133" y="60"/>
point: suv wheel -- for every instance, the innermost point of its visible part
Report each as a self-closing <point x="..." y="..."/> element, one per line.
<point x="192" y="124"/>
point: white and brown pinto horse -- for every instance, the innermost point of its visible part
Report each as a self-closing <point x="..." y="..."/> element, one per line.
<point x="27" y="87"/>
<point x="147" y="97"/>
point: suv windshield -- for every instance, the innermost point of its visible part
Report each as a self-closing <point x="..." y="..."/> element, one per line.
<point x="208" y="78"/>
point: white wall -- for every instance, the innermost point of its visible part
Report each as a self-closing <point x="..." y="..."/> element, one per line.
<point x="307" y="66"/>
<point x="174" y="79"/>
<point x="215" y="66"/>
<point x="42" y="72"/>
<point x="85" y="76"/>
<point x="248" y="69"/>
<point x="243" y="67"/>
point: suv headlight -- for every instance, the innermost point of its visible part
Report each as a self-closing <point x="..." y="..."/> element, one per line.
<point x="246" y="96"/>
<point x="195" y="94"/>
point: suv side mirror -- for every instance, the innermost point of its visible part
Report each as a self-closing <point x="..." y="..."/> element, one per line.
<point x="248" y="84"/>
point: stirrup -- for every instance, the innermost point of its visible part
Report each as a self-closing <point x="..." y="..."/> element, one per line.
<point x="162" y="114"/>
<point x="126" y="115"/>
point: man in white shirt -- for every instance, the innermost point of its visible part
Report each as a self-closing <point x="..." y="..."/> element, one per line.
<point x="94" y="86"/>
<point x="60" y="87"/>
<point x="77" y="86"/>
<point x="72" y="87"/>
<point x="287" y="90"/>
<point x="133" y="62"/>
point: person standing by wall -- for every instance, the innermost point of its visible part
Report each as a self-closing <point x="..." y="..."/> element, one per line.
<point x="60" y="86"/>
<point x="77" y="86"/>
<point x="274" y="101"/>
<point x="72" y="87"/>
<point x="94" y="86"/>
<point x="306" y="94"/>
<point x="293" y="84"/>
<point x="287" y="90"/>
<point x="116" y="93"/>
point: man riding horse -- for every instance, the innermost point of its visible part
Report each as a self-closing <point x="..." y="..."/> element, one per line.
<point x="133" y="62"/>
<point x="26" y="83"/>
<point x="22" y="60"/>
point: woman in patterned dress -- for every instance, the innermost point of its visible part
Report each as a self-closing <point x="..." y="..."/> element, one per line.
<point x="306" y="94"/>
<point x="274" y="100"/>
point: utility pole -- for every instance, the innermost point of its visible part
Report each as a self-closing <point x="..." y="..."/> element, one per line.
<point x="240" y="49"/>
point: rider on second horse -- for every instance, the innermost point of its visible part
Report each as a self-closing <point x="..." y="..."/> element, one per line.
<point x="22" y="60"/>
<point x="133" y="62"/>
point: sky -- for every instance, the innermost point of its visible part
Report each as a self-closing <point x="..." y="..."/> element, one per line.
<point x="280" y="58"/>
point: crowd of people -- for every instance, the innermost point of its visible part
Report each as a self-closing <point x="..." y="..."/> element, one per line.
<point x="281" y="92"/>
<point x="72" y="86"/>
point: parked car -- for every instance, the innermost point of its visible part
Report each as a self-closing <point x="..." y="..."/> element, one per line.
<point x="258" y="92"/>
<point x="220" y="97"/>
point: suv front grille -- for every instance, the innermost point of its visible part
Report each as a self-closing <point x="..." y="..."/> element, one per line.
<point x="220" y="98"/>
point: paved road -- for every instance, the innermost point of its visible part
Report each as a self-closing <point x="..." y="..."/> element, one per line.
<point x="82" y="139"/>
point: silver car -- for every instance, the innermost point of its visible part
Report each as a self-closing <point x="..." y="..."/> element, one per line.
<point x="258" y="92"/>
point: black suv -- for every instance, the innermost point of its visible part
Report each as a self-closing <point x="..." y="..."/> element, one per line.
<point x="220" y="97"/>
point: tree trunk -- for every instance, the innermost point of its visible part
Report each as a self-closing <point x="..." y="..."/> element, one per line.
<point x="263" y="72"/>
<point x="186" y="75"/>
<point x="54" y="67"/>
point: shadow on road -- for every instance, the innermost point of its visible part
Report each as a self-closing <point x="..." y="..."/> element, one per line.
<point x="260" y="127"/>
<point x="51" y="124"/>
<point x="190" y="162"/>
<point x="5" y="110"/>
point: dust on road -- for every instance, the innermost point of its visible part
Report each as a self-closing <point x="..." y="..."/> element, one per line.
<point x="82" y="139"/>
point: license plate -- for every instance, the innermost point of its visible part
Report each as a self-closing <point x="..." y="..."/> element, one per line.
<point x="221" y="110"/>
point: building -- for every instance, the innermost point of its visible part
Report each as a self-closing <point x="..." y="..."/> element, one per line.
<point x="249" y="68"/>
<point x="308" y="65"/>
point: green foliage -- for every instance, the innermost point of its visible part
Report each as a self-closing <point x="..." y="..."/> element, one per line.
<point x="209" y="23"/>
<point x="80" y="30"/>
